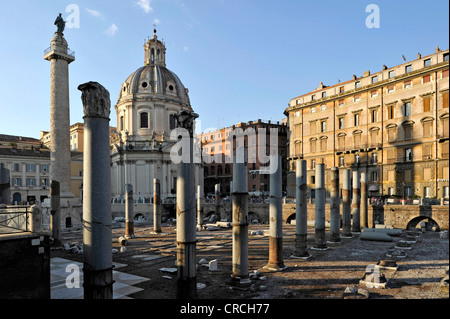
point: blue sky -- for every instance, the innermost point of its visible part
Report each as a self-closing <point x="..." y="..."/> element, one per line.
<point x="241" y="59"/>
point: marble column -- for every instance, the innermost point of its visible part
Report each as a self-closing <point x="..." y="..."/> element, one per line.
<point x="97" y="220"/>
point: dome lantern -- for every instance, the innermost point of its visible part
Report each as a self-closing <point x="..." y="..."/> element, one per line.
<point x="155" y="51"/>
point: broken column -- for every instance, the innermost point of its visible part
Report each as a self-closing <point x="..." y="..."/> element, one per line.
<point x="217" y="202"/>
<point x="335" y="215"/>
<point x="186" y="213"/>
<point x="97" y="220"/>
<point x="301" y="206"/>
<point x="55" y="211"/>
<point x="346" y="211"/>
<point x="356" y="223"/>
<point x="129" y="211"/>
<point x="275" y="216"/>
<point x="156" y="206"/>
<point x="363" y="201"/>
<point x="240" y="274"/>
<point x="199" y="207"/>
<point x="320" y="242"/>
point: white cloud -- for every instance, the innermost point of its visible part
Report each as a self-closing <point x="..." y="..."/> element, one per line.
<point x="185" y="48"/>
<point x="95" y="13"/>
<point x="156" y="21"/>
<point x="145" y="5"/>
<point x="111" y="31"/>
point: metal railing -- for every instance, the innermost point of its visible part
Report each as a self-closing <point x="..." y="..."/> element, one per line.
<point x="14" y="219"/>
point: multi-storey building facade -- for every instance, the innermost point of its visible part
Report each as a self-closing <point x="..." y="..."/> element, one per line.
<point x="29" y="165"/>
<point x="218" y="147"/>
<point x="393" y="125"/>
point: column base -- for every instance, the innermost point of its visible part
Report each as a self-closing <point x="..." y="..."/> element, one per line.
<point x="98" y="284"/>
<point x="275" y="267"/>
<point x="240" y="281"/>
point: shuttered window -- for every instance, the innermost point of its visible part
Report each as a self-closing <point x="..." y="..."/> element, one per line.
<point x="445" y="100"/>
<point x="426" y="78"/>
<point x="427" y="103"/>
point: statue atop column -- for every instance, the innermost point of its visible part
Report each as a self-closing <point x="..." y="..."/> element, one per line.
<point x="60" y="23"/>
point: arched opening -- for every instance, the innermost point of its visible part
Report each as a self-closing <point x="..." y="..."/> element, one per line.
<point x="423" y="222"/>
<point x="139" y="217"/>
<point x="291" y="219"/>
<point x="17" y="198"/>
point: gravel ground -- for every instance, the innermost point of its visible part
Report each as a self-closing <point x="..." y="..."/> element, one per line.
<point x="326" y="275"/>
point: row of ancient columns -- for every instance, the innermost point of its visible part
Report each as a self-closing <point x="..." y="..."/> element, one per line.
<point x="354" y="207"/>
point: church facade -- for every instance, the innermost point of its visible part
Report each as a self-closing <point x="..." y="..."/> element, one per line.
<point x="148" y="101"/>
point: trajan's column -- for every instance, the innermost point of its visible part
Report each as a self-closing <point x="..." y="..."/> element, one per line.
<point x="60" y="57"/>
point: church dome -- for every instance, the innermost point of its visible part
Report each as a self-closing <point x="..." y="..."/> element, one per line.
<point x="156" y="82"/>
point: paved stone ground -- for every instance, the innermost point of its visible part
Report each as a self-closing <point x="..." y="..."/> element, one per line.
<point x="325" y="276"/>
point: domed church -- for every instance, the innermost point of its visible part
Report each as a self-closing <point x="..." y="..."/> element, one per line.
<point x="148" y="101"/>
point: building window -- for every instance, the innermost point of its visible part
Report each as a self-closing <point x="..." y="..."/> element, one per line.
<point x="407" y="84"/>
<point x="445" y="127"/>
<point x="374" y="158"/>
<point x="172" y="123"/>
<point x="44" y="181"/>
<point x="356" y="119"/>
<point x="427" y="62"/>
<point x="357" y="158"/>
<point x="408" y="155"/>
<point x="391" y="134"/>
<point x="391" y="88"/>
<point x="341" y="102"/>
<point x="341" y="161"/>
<point x="427" y="104"/>
<point x="356" y="98"/>
<point x="374" y="93"/>
<point x="313" y="97"/>
<point x="391" y="74"/>
<point x="426" y="152"/>
<point x="341" y="89"/>
<point x="445" y="100"/>
<point x="341" y="123"/>
<point x="407" y="109"/>
<point x="357" y="140"/>
<point x="445" y="57"/>
<point x="313" y="110"/>
<point x="324" y="94"/>
<point x="427" y="128"/>
<point x="374" y="176"/>
<point x="16" y="167"/>
<point x="408" y="132"/>
<point x="17" y="181"/>
<point x="357" y="85"/>
<point x="323" y="145"/>
<point x="426" y="78"/>
<point x="312" y="145"/>
<point x="408" y="68"/>
<point x="43" y="168"/>
<point x="374" y="115"/>
<point x="312" y="127"/>
<point x="390" y="111"/>
<point x="144" y="119"/>
<point x="391" y="191"/>
<point x="427" y="192"/>
<point x="374" y="79"/>
<point x="31" y="182"/>
<point x="323" y="126"/>
<point x="313" y="163"/>
<point x="374" y="138"/>
<point x="31" y="167"/>
<point x="323" y="107"/>
<point x="445" y="74"/>
<point x="341" y="143"/>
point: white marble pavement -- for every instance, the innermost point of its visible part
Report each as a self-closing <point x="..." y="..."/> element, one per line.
<point x="62" y="270"/>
